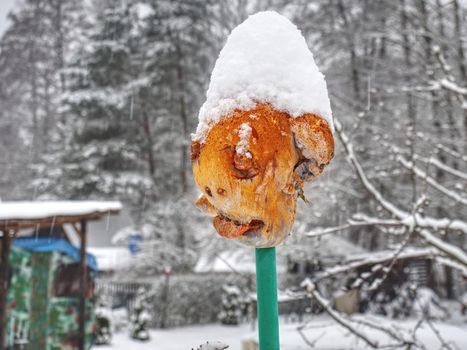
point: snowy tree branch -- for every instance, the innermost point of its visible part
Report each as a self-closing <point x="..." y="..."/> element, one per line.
<point x="440" y="165"/>
<point x="325" y="304"/>
<point x="320" y="231"/>
<point x="429" y="180"/>
<point x="374" y="259"/>
<point x="409" y="219"/>
<point x="452" y="153"/>
<point x="451" y="263"/>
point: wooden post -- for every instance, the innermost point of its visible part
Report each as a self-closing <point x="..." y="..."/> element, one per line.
<point x="4" y="285"/>
<point x="167" y="273"/>
<point x="82" y="288"/>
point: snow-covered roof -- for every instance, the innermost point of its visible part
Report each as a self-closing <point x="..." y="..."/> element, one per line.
<point x="355" y="261"/>
<point x="235" y="260"/>
<point x="111" y="258"/>
<point x="25" y="210"/>
<point x="324" y="248"/>
<point x="266" y="59"/>
<point x="327" y="248"/>
<point x="389" y="254"/>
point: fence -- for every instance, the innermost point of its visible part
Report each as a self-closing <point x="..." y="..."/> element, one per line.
<point x="184" y="299"/>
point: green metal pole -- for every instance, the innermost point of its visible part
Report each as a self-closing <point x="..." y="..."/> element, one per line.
<point x="266" y="290"/>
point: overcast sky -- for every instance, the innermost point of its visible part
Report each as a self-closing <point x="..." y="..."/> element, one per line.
<point x="5" y="7"/>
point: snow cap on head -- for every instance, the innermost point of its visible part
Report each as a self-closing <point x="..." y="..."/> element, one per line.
<point x="265" y="60"/>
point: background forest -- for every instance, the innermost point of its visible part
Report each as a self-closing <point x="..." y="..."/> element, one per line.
<point x="98" y="100"/>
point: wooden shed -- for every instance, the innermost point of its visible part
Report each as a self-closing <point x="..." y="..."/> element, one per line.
<point x="45" y="220"/>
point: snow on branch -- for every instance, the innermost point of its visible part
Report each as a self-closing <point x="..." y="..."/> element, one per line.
<point x="448" y="249"/>
<point x="340" y="319"/>
<point x="448" y="83"/>
<point x="322" y="231"/>
<point x="392" y="333"/>
<point x="440" y="165"/>
<point x="411" y="220"/>
<point x="436" y="224"/>
<point x="452" y="87"/>
<point x="398" y="338"/>
<point x="429" y="180"/>
<point x="358" y="220"/>
<point x="435" y="161"/>
<point x="362" y="176"/>
<point x="451" y="263"/>
<point x="452" y="152"/>
<point x="374" y="258"/>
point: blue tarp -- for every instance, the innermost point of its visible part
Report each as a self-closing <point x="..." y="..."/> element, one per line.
<point x="46" y="244"/>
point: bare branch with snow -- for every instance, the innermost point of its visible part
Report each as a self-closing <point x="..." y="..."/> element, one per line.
<point x="340" y="319"/>
<point x="441" y="166"/>
<point x="375" y="258"/>
<point x="430" y="180"/>
<point x="411" y="220"/>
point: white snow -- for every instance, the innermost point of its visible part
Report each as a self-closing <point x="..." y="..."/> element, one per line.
<point x="266" y="59"/>
<point x="111" y="258"/>
<point x="182" y="338"/>
<point x="245" y="133"/>
<point x="216" y="345"/>
<point x="143" y="10"/>
<point x="47" y="209"/>
<point x="326" y="334"/>
<point x="449" y="85"/>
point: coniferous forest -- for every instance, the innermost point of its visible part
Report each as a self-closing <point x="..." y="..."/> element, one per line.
<point x="99" y="98"/>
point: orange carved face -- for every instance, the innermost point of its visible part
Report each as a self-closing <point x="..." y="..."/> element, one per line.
<point x="251" y="167"/>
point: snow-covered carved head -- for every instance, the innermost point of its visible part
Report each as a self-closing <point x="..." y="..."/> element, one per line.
<point x="264" y="130"/>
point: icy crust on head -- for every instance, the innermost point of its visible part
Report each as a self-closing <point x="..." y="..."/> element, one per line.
<point x="265" y="60"/>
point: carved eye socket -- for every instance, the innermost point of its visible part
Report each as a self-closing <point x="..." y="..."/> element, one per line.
<point x="245" y="166"/>
<point x="242" y="166"/>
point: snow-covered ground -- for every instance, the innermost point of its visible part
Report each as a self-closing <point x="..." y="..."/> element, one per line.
<point x="321" y="331"/>
<point x="182" y="338"/>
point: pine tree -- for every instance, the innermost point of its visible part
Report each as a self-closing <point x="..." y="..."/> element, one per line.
<point x="102" y="157"/>
<point x="103" y="333"/>
<point x="180" y="35"/>
<point x="140" y="316"/>
<point x="33" y="51"/>
<point x="231" y="308"/>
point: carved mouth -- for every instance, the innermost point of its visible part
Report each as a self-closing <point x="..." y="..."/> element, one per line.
<point x="232" y="229"/>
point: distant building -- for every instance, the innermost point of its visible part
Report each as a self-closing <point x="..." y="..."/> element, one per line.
<point x="300" y="256"/>
<point x="110" y="257"/>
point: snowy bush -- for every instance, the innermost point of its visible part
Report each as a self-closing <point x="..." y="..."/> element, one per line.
<point x="231" y="305"/>
<point x="410" y="301"/>
<point x="191" y="298"/>
<point x="140" y="316"/>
